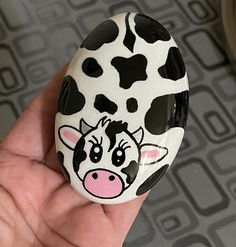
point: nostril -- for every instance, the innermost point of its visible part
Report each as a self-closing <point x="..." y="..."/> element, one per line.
<point x="111" y="178"/>
<point x="95" y="175"/>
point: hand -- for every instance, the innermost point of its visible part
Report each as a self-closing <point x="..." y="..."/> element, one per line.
<point x="37" y="206"/>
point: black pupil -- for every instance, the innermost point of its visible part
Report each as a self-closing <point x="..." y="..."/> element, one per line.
<point x="95" y="153"/>
<point x="118" y="157"/>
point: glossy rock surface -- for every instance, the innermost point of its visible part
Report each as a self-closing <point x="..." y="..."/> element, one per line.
<point x="122" y="109"/>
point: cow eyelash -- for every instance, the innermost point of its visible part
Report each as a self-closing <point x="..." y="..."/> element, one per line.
<point x="122" y="145"/>
<point x="96" y="140"/>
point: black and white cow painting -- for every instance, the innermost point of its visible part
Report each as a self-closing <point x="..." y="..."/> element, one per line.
<point x="122" y="109"/>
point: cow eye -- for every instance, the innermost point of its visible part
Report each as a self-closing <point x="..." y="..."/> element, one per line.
<point x="95" y="153"/>
<point x="118" y="156"/>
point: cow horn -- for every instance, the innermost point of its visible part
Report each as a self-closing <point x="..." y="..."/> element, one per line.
<point x="84" y="127"/>
<point x="138" y="135"/>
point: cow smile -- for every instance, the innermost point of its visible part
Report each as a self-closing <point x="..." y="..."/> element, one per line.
<point x="103" y="183"/>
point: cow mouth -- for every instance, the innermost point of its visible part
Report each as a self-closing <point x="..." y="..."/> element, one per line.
<point x="103" y="183"/>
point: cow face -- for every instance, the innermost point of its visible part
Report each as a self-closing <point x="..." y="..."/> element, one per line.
<point x="107" y="157"/>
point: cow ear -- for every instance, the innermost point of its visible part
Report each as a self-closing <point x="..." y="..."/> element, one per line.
<point x="138" y="135"/>
<point x="151" y="153"/>
<point x="69" y="136"/>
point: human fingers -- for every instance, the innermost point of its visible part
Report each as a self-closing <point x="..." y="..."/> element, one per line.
<point x="123" y="215"/>
<point x="33" y="133"/>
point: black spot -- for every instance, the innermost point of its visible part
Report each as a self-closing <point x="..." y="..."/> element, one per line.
<point x="174" y="68"/>
<point x="131" y="171"/>
<point x="132" y="105"/>
<point x="181" y="111"/>
<point x="166" y="112"/>
<point x="106" y="32"/>
<point x="114" y="128"/>
<point x="60" y="157"/>
<point x="152" y="180"/>
<point x="103" y="104"/>
<point x="91" y="67"/>
<point x="70" y="99"/>
<point x="79" y="154"/>
<point x="130" y="69"/>
<point x="149" y="29"/>
<point x="129" y="36"/>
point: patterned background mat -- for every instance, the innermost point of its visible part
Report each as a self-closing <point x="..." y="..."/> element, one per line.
<point x="194" y="204"/>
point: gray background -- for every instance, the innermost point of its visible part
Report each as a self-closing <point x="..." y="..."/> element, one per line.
<point x="194" y="204"/>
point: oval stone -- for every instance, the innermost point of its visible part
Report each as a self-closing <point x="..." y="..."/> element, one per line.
<point x="122" y="109"/>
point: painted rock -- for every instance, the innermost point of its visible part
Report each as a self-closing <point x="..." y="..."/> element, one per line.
<point x="122" y="109"/>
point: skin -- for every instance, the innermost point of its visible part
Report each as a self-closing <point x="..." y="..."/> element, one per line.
<point x="37" y="206"/>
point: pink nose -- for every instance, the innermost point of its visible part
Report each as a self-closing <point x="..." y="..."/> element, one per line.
<point x="103" y="183"/>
